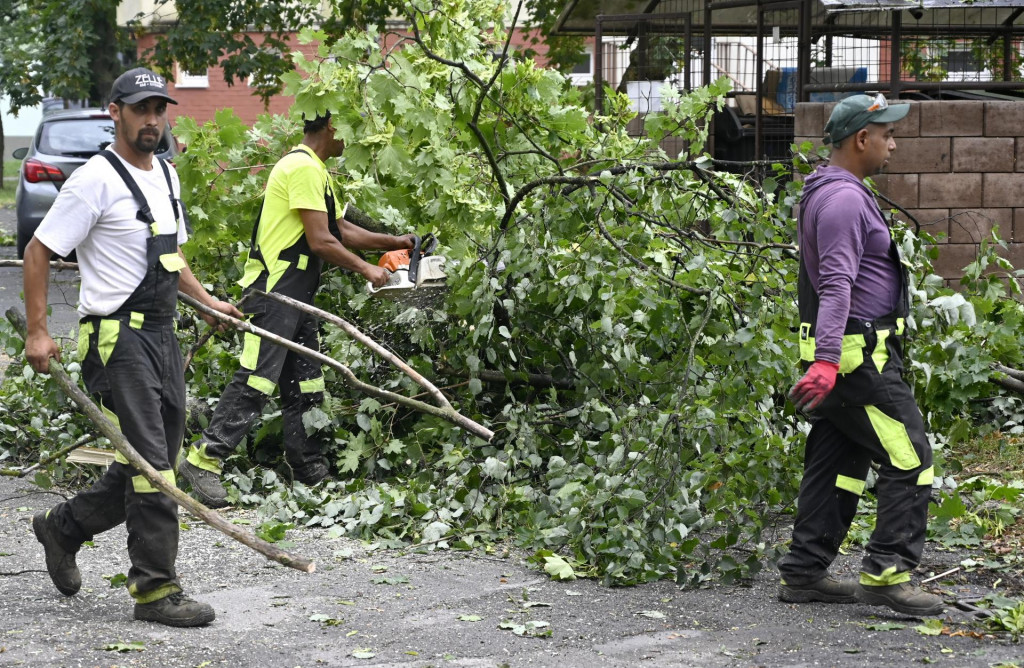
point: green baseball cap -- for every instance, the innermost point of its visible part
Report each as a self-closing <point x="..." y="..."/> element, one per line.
<point x="855" y="112"/>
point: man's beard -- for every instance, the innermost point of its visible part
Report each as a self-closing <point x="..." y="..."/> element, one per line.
<point x="146" y="142"/>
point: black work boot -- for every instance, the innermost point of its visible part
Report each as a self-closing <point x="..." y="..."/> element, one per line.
<point x="826" y="590"/>
<point x="60" y="563"/>
<point x="206" y="484"/>
<point x="903" y="597"/>
<point x="311" y="473"/>
<point x="175" y="610"/>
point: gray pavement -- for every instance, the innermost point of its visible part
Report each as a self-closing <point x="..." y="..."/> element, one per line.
<point x="374" y="607"/>
<point x="63" y="297"/>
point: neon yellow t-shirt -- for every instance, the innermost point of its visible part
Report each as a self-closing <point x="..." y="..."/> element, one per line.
<point x="296" y="182"/>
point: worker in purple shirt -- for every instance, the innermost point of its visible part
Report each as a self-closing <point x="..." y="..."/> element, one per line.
<point x="853" y="301"/>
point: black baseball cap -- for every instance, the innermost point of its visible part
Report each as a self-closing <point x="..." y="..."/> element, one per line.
<point x="138" y="84"/>
<point x="855" y="112"/>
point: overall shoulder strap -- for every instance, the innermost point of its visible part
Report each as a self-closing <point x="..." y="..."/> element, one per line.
<point x="145" y="214"/>
<point x="170" y="189"/>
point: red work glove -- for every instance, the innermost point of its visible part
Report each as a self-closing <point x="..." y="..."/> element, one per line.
<point x="812" y="389"/>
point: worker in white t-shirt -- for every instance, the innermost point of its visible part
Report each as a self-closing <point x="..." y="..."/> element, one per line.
<point x="121" y="212"/>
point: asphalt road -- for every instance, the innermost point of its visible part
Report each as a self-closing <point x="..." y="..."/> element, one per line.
<point x="63" y="297"/>
<point x="371" y="607"/>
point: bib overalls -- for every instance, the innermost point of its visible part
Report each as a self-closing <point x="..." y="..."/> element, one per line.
<point x="265" y="366"/>
<point x="132" y="365"/>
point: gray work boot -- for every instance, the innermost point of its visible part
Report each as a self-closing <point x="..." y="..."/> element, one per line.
<point x="206" y="484"/>
<point x="175" y="610"/>
<point x="60" y="563"/>
<point x="826" y="590"/>
<point x="903" y="597"/>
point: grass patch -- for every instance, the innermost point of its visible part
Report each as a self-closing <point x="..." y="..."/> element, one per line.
<point x="11" y="168"/>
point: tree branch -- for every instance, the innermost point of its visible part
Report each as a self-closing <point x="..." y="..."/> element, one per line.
<point x="349" y="377"/>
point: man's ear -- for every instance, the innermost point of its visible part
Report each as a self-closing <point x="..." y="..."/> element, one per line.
<point x="860" y="138"/>
<point x="114" y="111"/>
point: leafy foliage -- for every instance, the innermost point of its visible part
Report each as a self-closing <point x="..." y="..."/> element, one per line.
<point x="620" y="317"/>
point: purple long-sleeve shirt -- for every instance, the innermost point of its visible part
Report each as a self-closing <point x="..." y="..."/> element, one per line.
<point x="844" y="242"/>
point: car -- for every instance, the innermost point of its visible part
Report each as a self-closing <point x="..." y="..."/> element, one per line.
<point x="63" y="142"/>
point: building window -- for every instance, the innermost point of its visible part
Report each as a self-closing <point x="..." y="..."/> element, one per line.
<point x="583" y="71"/>
<point x="192" y="79"/>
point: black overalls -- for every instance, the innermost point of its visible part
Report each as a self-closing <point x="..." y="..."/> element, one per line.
<point x="265" y="365"/>
<point x="870" y="415"/>
<point x="132" y="364"/>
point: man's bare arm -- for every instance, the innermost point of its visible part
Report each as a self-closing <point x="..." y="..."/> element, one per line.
<point x="360" y="238"/>
<point x="39" y="346"/>
<point x="191" y="286"/>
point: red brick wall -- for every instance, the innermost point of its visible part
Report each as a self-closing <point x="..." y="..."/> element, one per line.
<point x="958" y="169"/>
<point x="202" y="103"/>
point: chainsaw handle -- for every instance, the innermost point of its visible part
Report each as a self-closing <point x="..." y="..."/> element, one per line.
<point x="414" y="258"/>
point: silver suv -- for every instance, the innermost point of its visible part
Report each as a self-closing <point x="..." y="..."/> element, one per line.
<point x="64" y="141"/>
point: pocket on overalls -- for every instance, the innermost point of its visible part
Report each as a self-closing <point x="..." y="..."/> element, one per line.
<point x="852" y="354"/>
<point x="110" y="330"/>
<point x="172" y="262"/>
<point x="85" y="330"/>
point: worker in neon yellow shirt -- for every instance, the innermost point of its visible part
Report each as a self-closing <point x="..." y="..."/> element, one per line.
<point x="298" y="229"/>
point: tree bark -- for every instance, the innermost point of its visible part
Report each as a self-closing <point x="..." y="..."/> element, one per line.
<point x="121" y="444"/>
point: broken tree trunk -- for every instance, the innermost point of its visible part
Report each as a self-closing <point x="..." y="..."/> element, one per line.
<point x="121" y="444"/>
<point x="449" y="414"/>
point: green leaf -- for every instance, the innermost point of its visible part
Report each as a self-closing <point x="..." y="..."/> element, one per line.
<point x="470" y="618"/>
<point x="558" y="568"/>
<point x="931" y="627"/>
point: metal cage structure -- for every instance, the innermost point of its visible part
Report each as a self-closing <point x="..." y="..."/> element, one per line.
<point x="777" y="53"/>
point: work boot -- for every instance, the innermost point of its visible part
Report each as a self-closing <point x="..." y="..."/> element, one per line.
<point x="175" y="610"/>
<point x="826" y="590"/>
<point x="206" y="484"/>
<point x="60" y="563"/>
<point x="903" y="597"/>
<point x="311" y="473"/>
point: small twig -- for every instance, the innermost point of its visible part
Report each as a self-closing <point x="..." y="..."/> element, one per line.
<point x="60" y="453"/>
<point x="55" y="264"/>
<point x="940" y="575"/>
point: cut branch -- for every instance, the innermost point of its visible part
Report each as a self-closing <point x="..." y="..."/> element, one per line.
<point x="1014" y="380"/>
<point x="348" y="376"/>
<point x="362" y="338"/>
<point x="121" y="444"/>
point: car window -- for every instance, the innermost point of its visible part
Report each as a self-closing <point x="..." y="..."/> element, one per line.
<point x="84" y="137"/>
<point x="76" y="136"/>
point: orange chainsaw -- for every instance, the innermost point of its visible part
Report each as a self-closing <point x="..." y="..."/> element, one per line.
<point x="416" y="269"/>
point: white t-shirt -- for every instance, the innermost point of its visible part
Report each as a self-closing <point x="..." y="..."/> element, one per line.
<point x="95" y="214"/>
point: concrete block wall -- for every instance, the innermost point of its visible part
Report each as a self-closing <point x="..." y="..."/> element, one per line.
<point x="958" y="169"/>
